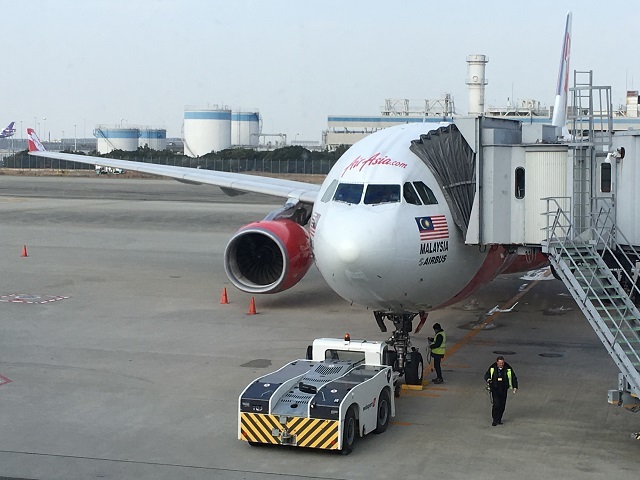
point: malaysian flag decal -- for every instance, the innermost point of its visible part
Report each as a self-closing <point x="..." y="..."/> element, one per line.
<point x="433" y="227"/>
<point x="313" y="223"/>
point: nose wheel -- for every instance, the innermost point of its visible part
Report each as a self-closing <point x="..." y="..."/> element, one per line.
<point x="407" y="359"/>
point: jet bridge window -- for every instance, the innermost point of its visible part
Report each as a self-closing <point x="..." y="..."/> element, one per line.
<point x="605" y="178"/>
<point x="349" y="193"/>
<point x="377" y="194"/>
<point x="410" y="195"/>
<point x="519" y="182"/>
<point x="427" y="196"/>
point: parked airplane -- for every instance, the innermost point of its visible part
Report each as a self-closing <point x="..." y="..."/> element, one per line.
<point x="8" y="131"/>
<point x="382" y="232"/>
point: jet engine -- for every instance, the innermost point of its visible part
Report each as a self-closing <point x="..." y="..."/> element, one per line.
<point x="268" y="256"/>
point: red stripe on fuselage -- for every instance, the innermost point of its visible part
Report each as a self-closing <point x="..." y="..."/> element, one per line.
<point x="495" y="263"/>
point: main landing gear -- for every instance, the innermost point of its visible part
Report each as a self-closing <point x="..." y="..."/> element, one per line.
<point x="404" y="358"/>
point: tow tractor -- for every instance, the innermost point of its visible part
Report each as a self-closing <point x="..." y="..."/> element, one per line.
<point x="342" y="390"/>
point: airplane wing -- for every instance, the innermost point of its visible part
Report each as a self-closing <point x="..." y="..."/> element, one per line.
<point x="231" y="183"/>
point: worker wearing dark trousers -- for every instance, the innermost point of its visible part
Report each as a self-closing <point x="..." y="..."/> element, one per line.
<point x="437" y="346"/>
<point x="501" y="378"/>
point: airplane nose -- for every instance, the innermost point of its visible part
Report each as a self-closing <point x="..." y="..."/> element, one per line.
<point x="358" y="245"/>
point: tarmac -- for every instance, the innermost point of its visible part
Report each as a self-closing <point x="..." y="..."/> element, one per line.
<point x="118" y="361"/>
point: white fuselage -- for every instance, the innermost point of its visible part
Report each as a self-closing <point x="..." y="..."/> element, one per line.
<point x="376" y="254"/>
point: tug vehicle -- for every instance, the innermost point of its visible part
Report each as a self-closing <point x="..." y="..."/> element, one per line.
<point x="343" y="390"/>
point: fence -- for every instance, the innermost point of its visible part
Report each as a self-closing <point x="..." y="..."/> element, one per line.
<point x="275" y="166"/>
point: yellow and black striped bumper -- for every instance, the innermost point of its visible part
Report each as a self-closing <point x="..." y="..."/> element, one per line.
<point x="301" y="432"/>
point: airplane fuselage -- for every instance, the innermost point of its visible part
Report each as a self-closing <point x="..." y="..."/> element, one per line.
<point x="384" y="241"/>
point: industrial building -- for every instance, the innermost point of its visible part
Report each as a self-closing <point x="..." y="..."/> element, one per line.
<point x="211" y="129"/>
<point x="348" y="129"/>
<point x="129" y="138"/>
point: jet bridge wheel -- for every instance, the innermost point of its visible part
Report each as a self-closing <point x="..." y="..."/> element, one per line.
<point x="413" y="370"/>
<point x="349" y="431"/>
<point x="384" y="411"/>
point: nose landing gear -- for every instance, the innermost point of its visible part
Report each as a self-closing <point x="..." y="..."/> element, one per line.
<point x="404" y="358"/>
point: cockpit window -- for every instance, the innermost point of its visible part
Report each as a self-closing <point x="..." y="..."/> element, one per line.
<point x="349" y="192"/>
<point x="427" y="196"/>
<point x="382" y="194"/>
<point x="328" y="193"/>
<point x="410" y="195"/>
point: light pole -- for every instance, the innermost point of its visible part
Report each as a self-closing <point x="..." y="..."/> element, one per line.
<point x="44" y="127"/>
<point x="62" y="141"/>
<point x="21" y="131"/>
<point x="75" y="138"/>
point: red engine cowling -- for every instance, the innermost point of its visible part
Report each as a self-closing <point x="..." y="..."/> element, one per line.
<point x="268" y="256"/>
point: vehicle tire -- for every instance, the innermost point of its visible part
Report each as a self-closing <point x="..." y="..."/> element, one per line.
<point x="309" y="354"/>
<point x="349" y="431"/>
<point x="413" y="370"/>
<point x="396" y="390"/>
<point x="384" y="411"/>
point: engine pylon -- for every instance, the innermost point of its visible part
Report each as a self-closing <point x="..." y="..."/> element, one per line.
<point x="252" y="307"/>
<point x="224" y="300"/>
<point x="24" y="251"/>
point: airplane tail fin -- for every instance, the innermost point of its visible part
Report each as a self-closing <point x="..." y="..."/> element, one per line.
<point x="562" y="88"/>
<point x="10" y="126"/>
<point x="34" y="142"/>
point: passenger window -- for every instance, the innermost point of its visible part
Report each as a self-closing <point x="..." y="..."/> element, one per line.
<point x="605" y="178"/>
<point x="349" y="193"/>
<point x="377" y="194"/>
<point x="328" y="194"/>
<point x="519" y="182"/>
<point x="409" y="194"/>
<point x="427" y="196"/>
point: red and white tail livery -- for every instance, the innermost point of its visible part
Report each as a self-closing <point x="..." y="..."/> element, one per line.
<point x="34" y="142"/>
<point x="562" y="88"/>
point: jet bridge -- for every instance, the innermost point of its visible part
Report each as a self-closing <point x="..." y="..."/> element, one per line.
<point x="575" y="199"/>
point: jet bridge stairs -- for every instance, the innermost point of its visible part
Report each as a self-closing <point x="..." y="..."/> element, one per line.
<point x="578" y="259"/>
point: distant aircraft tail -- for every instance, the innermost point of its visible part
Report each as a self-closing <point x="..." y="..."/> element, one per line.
<point x="34" y="142"/>
<point x="562" y="88"/>
<point x="9" y="131"/>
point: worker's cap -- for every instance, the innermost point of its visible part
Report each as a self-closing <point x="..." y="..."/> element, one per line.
<point x="436" y="326"/>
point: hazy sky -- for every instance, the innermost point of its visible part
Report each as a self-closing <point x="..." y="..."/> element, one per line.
<point x="89" y="62"/>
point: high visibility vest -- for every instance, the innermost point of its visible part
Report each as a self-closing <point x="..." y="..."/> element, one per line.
<point x="440" y="349"/>
<point x="491" y="370"/>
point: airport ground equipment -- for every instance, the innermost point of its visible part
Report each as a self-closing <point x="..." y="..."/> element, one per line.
<point x="342" y="390"/>
<point x="585" y="244"/>
<point x="106" y="170"/>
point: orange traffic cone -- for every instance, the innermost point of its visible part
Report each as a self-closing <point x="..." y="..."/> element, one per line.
<point x="24" y="251"/>
<point x="252" y="307"/>
<point x="224" y="300"/>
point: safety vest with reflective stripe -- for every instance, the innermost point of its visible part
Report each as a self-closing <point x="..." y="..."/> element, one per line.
<point x="491" y="370"/>
<point x="440" y="349"/>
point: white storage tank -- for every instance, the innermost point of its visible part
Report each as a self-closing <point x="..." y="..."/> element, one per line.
<point x="206" y="130"/>
<point x="155" y="138"/>
<point x="116" y="138"/>
<point x="245" y="128"/>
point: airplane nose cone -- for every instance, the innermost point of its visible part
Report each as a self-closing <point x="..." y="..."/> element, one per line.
<point x="354" y="246"/>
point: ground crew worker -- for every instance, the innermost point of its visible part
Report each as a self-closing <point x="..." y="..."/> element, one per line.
<point x="501" y="378"/>
<point x="437" y="346"/>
